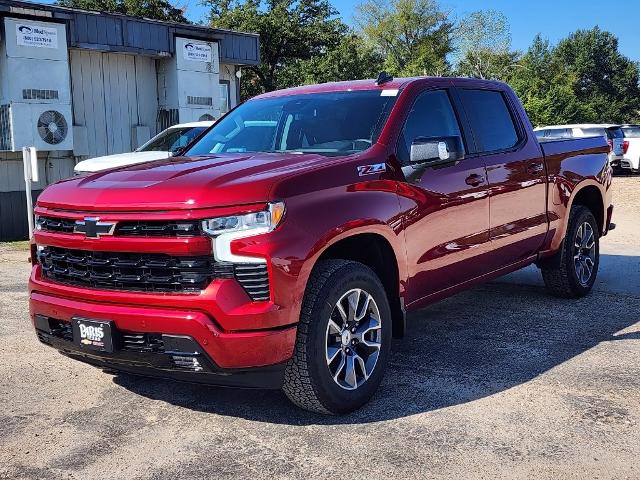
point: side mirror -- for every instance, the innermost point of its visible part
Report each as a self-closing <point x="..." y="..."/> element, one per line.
<point x="436" y="150"/>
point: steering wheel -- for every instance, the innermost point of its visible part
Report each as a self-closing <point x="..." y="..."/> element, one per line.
<point x="363" y="140"/>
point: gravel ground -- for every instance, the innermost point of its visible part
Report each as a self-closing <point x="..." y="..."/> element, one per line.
<point x="499" y="382"/>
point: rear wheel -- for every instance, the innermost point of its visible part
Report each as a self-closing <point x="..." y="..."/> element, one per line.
<point x="343" y="340"/>
<point x="572" y="272"/>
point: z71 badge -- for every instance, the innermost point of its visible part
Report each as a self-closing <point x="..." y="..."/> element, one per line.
<point x="371" y="169"/>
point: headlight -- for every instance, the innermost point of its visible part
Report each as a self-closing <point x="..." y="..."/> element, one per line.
<point x="265" y="220"/>
<point x="226" y="229"/>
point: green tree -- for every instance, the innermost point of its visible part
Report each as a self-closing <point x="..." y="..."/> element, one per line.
<point x="546" y="87"/>
<point x="155" y="9"/>
<point x="292" y="32"/>
<point x="413" y="36"/>
<point x="605" y="79"/>
<point x="483" y="42"/>
<point x="351" y="59"/>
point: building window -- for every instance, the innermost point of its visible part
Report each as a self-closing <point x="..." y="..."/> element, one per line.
<point x="225" y="96"/>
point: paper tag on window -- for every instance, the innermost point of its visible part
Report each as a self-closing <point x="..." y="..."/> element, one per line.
<point x="392" y="92"/>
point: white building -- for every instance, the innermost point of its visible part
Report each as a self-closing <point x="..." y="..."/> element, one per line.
<point x="78" y="84"/>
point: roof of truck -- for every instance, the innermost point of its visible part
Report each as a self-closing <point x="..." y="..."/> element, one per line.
<point x="370" y="84"/>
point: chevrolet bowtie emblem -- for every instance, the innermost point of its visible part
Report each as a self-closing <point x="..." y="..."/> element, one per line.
<point x="93" y="228"/>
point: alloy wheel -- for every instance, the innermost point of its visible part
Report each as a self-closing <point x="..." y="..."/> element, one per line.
<point x="584" y="253"/>
<point x="353" y="339"/>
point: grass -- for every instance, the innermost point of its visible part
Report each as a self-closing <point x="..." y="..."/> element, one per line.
<point x="22" y="245"/>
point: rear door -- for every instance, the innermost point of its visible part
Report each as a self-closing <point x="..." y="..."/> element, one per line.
<point x="447" y="219"/>
<point x="515" y="172"/>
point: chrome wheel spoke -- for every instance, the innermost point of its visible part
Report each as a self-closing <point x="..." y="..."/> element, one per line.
<point x="352" y="300"/>
<point x="334" y="327"/>
<point x="332" y="354"/>
<point x="340" y="367"/>
<point x="350" y="377"/>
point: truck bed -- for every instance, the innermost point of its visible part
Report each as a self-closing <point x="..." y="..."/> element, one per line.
<point x="569" y="147"/>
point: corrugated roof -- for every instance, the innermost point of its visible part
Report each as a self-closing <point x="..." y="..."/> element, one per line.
<point x="124" y="33"/>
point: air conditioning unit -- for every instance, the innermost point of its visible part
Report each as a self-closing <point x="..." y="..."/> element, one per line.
<point x="35" y="107"/>
<point x="44" y="126"/>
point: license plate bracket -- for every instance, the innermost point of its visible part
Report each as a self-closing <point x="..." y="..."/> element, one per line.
<point x="91" y="334"/>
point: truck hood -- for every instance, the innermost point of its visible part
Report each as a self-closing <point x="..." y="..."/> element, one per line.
<point x="111" y="161"/>
<point x="179" y="183"/>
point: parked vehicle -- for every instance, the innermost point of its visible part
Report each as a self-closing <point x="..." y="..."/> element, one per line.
<point x="285" y="247"/>
<point x="631" y="160"/>
<point x="161" y="146"/>
<point x="613" y="134"/>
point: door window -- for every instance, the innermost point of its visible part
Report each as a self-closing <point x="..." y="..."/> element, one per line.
<point x="431" y="116"/>
<point x="491" y="121"/>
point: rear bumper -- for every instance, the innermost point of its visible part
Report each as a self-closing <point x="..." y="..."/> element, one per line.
<point x="224" y="354"/>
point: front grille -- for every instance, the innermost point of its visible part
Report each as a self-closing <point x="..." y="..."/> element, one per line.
<point x="254" y="278"/>
<point x="58" y="225"/>
<point x="130" y="271"/>
<point x="146" y="272"/>
<point x="127" y="228"/>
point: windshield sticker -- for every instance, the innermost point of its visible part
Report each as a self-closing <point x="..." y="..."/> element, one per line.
<point x="371" y="169"/>
<point x="391" y="92"/>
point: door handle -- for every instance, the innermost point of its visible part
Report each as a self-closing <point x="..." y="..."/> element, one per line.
<point x="474" y="179"/>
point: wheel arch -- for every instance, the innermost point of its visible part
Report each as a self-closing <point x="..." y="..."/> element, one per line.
<point x="589" y="195"/>
<point x="373" y="248"/>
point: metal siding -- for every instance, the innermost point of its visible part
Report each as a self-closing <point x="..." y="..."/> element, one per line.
<point x="146" y="92"/>
<point x="112" y="93"/>
<point x="13" y="212"/>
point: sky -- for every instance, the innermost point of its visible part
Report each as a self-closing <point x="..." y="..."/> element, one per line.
<point x="554" y="19"/>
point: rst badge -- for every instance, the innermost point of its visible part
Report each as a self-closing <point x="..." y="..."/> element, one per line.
<point x="371" y="169"/>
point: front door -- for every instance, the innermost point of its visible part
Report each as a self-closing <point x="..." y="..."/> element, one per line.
<point x="447" y="220"/>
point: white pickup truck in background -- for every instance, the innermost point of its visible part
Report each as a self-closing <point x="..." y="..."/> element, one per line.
<point x="161" y="146"/>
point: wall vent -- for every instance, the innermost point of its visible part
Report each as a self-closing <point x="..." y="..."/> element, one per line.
<point x="38" y="94"/>
<point x="207" y="101"/>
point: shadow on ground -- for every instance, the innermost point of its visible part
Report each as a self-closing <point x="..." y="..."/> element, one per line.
<point x="470" y="346"/>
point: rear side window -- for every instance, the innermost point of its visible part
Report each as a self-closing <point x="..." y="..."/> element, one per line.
<point x="631" y="132"/>
<point x="491" y="120"/>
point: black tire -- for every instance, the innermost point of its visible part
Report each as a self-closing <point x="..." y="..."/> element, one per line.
<point x="308" y="381"/>
<point x="560" y="274"/>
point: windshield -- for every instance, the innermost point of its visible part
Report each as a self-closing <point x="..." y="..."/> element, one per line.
<point x="631" y="132"/>
<point x="338" y="123"/>
<point x="171" y="139"/>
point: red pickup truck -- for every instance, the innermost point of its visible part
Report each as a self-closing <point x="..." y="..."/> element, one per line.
<point x="284" y="246"/>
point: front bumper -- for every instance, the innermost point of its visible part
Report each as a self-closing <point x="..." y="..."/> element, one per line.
<point x="224" y="354"/>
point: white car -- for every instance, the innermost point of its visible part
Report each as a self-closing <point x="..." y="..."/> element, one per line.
<point x="613" y="134"/>
<point x="631" y="160"/>
<point x="161" y="146"/>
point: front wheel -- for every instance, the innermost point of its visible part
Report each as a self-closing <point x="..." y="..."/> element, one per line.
<point x="573" y="270"/>
<point x="343" y="340"/>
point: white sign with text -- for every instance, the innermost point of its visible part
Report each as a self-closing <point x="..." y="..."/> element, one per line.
<point x="36" y="36"/>
<point x="197" y="52"/>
